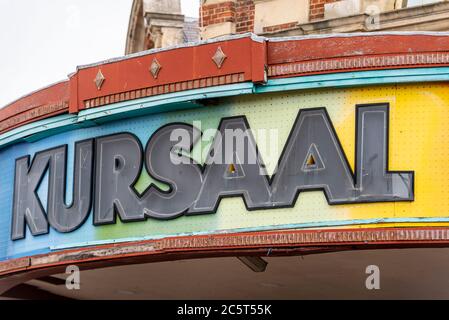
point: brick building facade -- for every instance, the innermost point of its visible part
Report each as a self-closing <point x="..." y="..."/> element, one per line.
<point x="160" y="23"/>
<point x="300" y="17"/>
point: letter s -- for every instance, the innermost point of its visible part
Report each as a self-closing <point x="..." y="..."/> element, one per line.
<point x="165" y="163"/>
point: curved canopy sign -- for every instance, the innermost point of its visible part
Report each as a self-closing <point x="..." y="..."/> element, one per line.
<point x="276" y="138"/>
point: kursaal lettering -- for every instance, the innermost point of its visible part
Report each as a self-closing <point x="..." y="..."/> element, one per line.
<point x="107" y="168"/>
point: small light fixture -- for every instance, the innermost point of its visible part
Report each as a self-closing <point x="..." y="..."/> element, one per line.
<point x="125" y="292"/>
<point x="257" y="264"/>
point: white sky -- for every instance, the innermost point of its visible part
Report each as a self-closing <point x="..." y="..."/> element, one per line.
<point x="42" y="41"/>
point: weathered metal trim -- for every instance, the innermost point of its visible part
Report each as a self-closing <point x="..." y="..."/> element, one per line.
<point x="357" y="78"/>
<point x="261" y="39"/>
<point x="63" y="123"/>
<point x="284" y="57"/>
<point x="161" y="90"/>
<point x="334" y="65"/>
<point x="359" y="34"/>
<point x="292" y="239"/>
<point x="252" y="36"/>
<point x="53" y="125"/>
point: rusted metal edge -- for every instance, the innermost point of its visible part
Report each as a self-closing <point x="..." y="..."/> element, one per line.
<point x="310" y="241"/>
<point x="164" y="89"/>
<point x="357" y="63"/>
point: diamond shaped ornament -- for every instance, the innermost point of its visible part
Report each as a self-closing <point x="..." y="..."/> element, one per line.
<point x="99" y="80"/>
<point x="155" y="68"/>
<point x="219" y="57"/>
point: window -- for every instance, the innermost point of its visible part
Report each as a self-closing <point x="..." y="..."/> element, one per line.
<point x="415" y="3"/>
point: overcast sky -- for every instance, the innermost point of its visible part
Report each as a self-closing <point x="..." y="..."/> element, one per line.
<point x="42" y="41"/>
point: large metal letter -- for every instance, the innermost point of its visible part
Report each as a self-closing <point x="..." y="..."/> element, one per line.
<point x="233" y="168"/>
<point x="313" y="159"/>
<point x="65" y="218"/>
<point x="27" y="208"/>
<point x="165" y="162"/>
<point x="118" y="164"/>
<point x="374" y="180"/>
